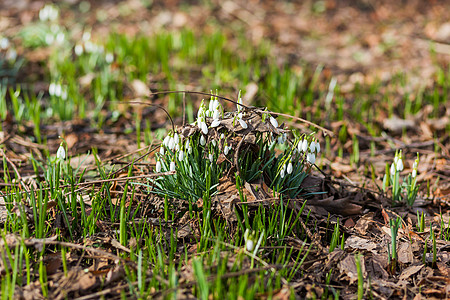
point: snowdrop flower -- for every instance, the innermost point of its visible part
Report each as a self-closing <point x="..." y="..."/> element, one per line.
<point x="250" y="245"/>
<point x="400" y="165"/>
<point x="78" y="49"/>
<point x="273" y="121"/>
<point x="181" y="155"/>
<point x="58" y="90"/>
<point x="222" y="136"/>
<point x="172" y="166"/>
<point x="86" y="36"/>
<point x="304" y="145"/>
<point x="61" y="153"/>
<point x="211" y="158"/>
<point x="317" y="147"/>
<point x="312" y="146"/>
<point x="204" y="128"/>
<point x="177" y="147"/>
<point x="4" y="43"/>
<point x="243" y="124"/>
<point x="213" y="142"/>
<point x="60" y="38"/>
<point x="311" y="158"/>
<point x="226" y="149"/>
<point x="392" y="169"/>
<point x="282" y="173"/>
<point x="49" y="38"/>
<point x="414" y="173"/>
<point x="215" y="123"/>
<point x="64" y="94"/>
<point x="289" y="168"/>
<point x="48" y="13"/>
<point x="161" y="150"/>
<point x="241" y="121"/>
<point x="171" y="143"/>
<point x="51" y="89"/>
<point x="202" y="141"/>
<point x="176" y="138"/>
<point x="11" y="54"/>
<point x="166" y="141"/>
<point x="158" y="167"/>
<point x="109" y="57"/>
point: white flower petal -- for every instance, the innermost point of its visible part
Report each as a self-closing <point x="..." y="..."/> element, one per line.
<point x="289" y="168"/>
<point x="317" y="147"/>
<point x="61" y="153"/>
<point x="181" y="155"/>
<point x="172" y="166"/>
<point x="273" y="121"/>
<point x="311" y="157"/>
<point x="202" y="140"/>
<point x="414" y="173"/>
<point x="250" y="245"/>
<point x="312" y="147"/>
<point x="211" y="158"/>
<point x="400" y="165"/>
<point x="282" y="173"/>
<point x="243" y="124"/>
<point x="158" y="167"/>
<point x="226" y="149"/>
<point x="304" y="145"/>
<point x="204" y="128"/>
<point x="162" y="151"/>
<point x="215" y="123"/>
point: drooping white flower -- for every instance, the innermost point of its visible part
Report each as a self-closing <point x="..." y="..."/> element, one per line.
<point x="58" y="90"/>
<point x="61" y="153"/>
<point x="222" y="136"/>
<point x="226" y="149"/>
<point x="176" y="138"/>
<point x="171" y="143"/>
<point x="172" y="166"/>
<point x="181" y="155"/>
<point x="273" y="121"/>
<point x="414" y="173"/>
<point x="392" y="170"/>
<point x="4" y="43"/>
<point x="109" y="57"/>
<point x="215" y="123"/>
<point x="317" y="147"/>
<point x="282" y="173"/>
<point x="304" y="145"/>
<point x="158" y="167"/>
<point x="166" y="141"/>
<point x="51" y="89"/>
<point x="312" y="146"/>
<point x="250" y="245"/>
<point x="202" y="141"/>
<point x="162" y="150"/>
<point x="60" y="38"/>
<point x="216" y="114"/>
<point x="211" y="158"/>
<point x="415" y="164"/>
<point x="400" y="165"/>
<point x="204" y="128"/>
<point x="311" y="158"/>
<point x="243" y="124"/>
<point x="213" y="142"/>
<point x="49" y="38"/>
<point x="289" y="168"/>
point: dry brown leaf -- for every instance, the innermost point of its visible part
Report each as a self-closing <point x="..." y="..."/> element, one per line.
<point x="363" y="224"/>
<point x="411" y="270"/>
<point x="347" y="268"/>
<point x="356" y="242"/>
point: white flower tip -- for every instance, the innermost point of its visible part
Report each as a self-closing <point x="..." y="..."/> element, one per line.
<point x="273" y="121"/>
<point x="243" y="124"/>
<point x="215" y="123"/>
<point x="414" y="173"/>
<point x="250" y="245"/>
<point x="172" y="166"/>
<point x="61" y="153"/>
<point x="158" y="167"/>
<point x="289" y="168"/>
